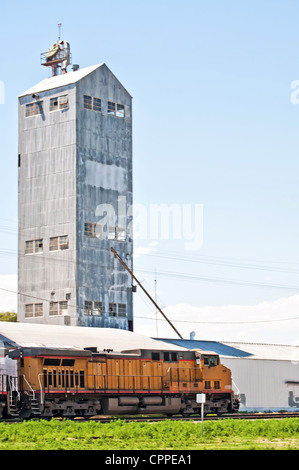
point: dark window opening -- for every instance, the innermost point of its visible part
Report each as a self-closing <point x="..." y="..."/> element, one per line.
<point x="82" y="382"/>
<point x="51" y="362"/>
<point x="211" y="361"/>
<point x="207" y="384"/>
<point x="170" y="357"/>
<point x="155" y="356"/>
<point x="68" y="362"/>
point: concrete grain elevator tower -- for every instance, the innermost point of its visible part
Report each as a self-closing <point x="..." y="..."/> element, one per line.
<point x="75" y="196"/>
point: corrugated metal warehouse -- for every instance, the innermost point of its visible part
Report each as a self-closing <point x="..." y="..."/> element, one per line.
<point x="265" y="376"/>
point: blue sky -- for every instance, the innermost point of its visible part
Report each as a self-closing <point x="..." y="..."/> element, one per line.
<point x="213" y="124"/>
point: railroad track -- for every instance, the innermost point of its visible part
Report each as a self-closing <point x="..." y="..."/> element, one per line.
<point x="106" y="419"/>
<point x="154" y="419"/>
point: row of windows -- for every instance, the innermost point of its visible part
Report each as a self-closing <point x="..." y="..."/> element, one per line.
<point x="94" y="230"/>
<point x="91" y="230"/>
<point x="61" y="308"/>
<point x="165" y="356"/>
<point x="32" y="109"/>
<point x="36" y="310"/>
<point x="95" y="104"/>
<point x="55" y="244"/>
<point x="208" y="385"/>
<point x="62" y="102"/>
<point x="59" y="102"/>
<point x="96" y="308"/>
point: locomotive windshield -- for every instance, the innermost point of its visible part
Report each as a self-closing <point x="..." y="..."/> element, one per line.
<point x="211" y="360"/>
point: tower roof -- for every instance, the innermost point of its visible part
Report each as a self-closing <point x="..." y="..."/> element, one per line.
<point x="61" y="80"/>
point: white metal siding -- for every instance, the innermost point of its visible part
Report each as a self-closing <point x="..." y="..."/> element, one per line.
<point x="262" y="383"/>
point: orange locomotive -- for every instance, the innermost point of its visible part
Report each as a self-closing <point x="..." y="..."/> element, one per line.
<point x="69" y="383"/>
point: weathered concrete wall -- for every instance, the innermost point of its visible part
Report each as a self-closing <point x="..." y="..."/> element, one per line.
<point x="71" y="161"/>
<point x="47" y="204"/>
<point x="104" y="174"/>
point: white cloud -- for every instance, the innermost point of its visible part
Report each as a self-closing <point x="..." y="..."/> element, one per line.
<point x="8" y="295"/>
<point x="267" y="322"/>
<point x="145" y="250"/>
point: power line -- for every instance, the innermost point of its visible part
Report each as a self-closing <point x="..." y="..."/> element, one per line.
<point x="223" y="322"/>
<point x="173" y="320"/>
<point x="195" y="277"/>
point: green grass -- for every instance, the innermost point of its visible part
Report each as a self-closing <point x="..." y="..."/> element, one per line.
<point x="227" y="434"/>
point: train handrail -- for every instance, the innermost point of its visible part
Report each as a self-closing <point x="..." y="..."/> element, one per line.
<point x="33" y="392"/>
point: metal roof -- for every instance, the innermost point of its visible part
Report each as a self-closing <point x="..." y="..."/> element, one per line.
<point x="60" y="80"/>
<point x="77" y="337"/>
<point x="242" y="350"/>
<point x="219" y="348"/>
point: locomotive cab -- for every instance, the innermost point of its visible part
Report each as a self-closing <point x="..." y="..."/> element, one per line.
<point x="216" y="382"/>
<point x="207" y="358"/>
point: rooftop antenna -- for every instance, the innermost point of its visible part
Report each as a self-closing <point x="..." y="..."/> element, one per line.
<point x="58" y="56"/>
<point x="59" y="28"/>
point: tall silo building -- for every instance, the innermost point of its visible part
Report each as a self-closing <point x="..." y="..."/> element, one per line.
<point x="75" y="196"/>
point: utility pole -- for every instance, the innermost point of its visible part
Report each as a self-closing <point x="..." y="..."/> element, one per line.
<point x="153" y="301"/>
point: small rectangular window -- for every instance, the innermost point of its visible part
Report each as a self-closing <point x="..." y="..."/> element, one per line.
<point x="68" y="362"/>
<point x="207" y="384"/>
<point x="33" y="310"/>
<point x="97" y="104"/>
<point x="82" y="381"/>
<point x="63" y="102"/>
<point x="33" y="109"/>
<point x="155" y="356"/>
<point x="60" y="102"/>
<point x="51" y="361"/>
<point x="93" y="308"/>
<point x="63" y="307"/>
<point x="29" y="312"/>
<point x="97" y="308"/>
<point x="29" y="247"/>
<point x="33" y="246"/>
<point x="64" y="242"/>
<point x="116" y="109"/>
<point x="89" y="229"/>
<point x="38" y="246"/>
<point x="53" y="246"/>
<point x="112" y="310"/>
<point x="87" y="102"/>
<point x="122" y="310"/>
<point x="88" y="307"/>
<point x="120" y="234"/>
<point x="53" y="308"/>
<point x="59" y="243"/>
<point x="111" y="108"/>
<point x="58" y="308"/>
<point x="53" y="104"/>
<point x="38" y="310"/>
<point x="216" y="384"/>
<point x="120" y="110"/>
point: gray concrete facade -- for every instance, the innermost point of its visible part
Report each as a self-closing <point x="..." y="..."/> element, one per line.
<point x="75" y="195"/>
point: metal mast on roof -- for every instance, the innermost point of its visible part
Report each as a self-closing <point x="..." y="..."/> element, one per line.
<point x="58" y="56"/>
